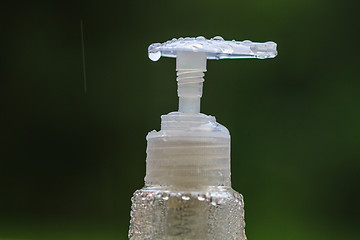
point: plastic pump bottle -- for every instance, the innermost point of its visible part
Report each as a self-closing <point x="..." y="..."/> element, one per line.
<point x="187" y="193"/>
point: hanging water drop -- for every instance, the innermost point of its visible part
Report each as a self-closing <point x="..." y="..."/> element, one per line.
<point x="154" y="56"/>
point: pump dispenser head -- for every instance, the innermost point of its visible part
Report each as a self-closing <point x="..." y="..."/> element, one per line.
<point x="192" y="149"/>
<point x="191" y="55"/>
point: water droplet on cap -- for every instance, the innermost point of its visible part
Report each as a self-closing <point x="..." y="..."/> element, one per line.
<point x="197" y="46"/>
<point x="154" y="56"/>
<point x="246" y="42"/>
<point x="218" y="38"/>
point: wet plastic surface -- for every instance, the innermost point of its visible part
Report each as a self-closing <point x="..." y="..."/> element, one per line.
<point x="215" y="48"/>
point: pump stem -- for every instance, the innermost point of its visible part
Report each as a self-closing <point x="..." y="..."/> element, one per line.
<point x="190" y="67"/>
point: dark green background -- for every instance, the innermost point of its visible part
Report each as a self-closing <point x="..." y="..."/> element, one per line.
<point x="70" y="160"/>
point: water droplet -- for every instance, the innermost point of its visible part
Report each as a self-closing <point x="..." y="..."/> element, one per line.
<point x="271" y="43"/>
<point x="154" y="56"/>
<point x="186" y="198"/>
<point x="218" y="38"/>
<point x="200" y="38"/>
<point x="197" y="46"/>
<point x="227" y="49"/>
<point x="236" y="195"/>
<point x="165" y="197"/>
<point x="246" y="42"/>
<point x="201" y="198"/>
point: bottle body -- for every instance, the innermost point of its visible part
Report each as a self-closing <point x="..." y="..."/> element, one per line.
<point x="208" y="212"/>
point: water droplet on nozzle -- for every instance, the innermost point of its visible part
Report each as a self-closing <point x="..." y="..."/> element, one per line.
<point x="218" y="38"/>
<point x="154" y="56"/>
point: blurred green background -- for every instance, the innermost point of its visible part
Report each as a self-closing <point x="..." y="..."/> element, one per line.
<point x="70" y="160"/>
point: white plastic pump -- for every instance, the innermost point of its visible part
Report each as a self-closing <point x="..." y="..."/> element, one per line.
<point x="191" y="55"/>
<point x="187" y="193"/>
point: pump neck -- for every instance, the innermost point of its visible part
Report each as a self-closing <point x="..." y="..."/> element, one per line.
<point x="190" y="67"/>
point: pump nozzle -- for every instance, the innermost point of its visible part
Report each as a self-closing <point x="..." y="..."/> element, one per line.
<point x="191" y="55"/>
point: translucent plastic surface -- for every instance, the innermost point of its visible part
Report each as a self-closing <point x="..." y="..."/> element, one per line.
<point x="189" y="150"/>
<point x="216" y="213"/>
<point x="215" y="48"/>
